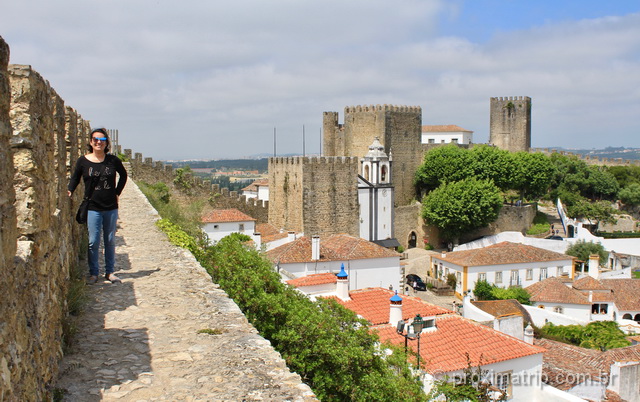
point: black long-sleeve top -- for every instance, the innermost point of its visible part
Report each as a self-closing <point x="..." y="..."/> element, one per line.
<point x="105" y="191"/>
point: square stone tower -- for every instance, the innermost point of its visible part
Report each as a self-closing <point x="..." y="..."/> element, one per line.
<point x="399" y="129"/>
<point x="510" y="123"/>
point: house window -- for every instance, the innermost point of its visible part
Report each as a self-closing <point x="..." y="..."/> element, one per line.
<point x="503" y="381"/>
<point x="543" y="273"/>
<point x="432" y="141"/>
<point x="215" y="226"/>
<point x="560" y="271"/>
<point x="498" y="276"/>
<point x="558" y="309"/>
<point x="515" y="277"/>
<point x="458" y="277"/>
<point x="482" y="276"/>
<point x="241" y="227"/>
<point x="529" y="274"/>
<point x="454" y="140"/>
<point x="599" y="308"/>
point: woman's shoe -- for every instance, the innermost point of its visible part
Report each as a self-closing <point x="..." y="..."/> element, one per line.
<point x="92" y="280"/>
<point x="112" y="278"/>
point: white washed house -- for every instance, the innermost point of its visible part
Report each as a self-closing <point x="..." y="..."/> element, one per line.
<point x="222" y="222"/>
<point x="446" y="134"/>
<point x="366" y="263"/>
<point x="504" y="264"/>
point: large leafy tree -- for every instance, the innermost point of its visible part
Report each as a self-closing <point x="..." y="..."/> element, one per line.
<point x="443" y="164"/>
<point x="602" y="184"/>
<point x="533" y="175"/>
<point x="602" y="335"/>
<point x="458" y="207"/>
<point x="492" y="163"/>
<point x="583" y="249"/>
<point x="630" y="195"/>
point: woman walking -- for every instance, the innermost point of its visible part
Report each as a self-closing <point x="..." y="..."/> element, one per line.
<point x="98" y="171"/>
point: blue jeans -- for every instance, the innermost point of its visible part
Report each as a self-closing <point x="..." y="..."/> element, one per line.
<point x="105" y="221"/>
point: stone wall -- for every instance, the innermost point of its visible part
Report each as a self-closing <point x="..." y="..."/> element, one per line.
<point x="510" y="123"/>
<point x="590" y="160"/>
<point x="146" y="170"/>
<point x="317" y="196"/>
<point x="39" y="142"/>
<point x="511" y="219"/>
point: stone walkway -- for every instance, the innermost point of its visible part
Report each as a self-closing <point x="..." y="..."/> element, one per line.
<point x="139" y="340"/>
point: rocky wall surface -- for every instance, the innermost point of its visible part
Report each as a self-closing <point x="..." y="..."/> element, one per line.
<point x="39" y="236"/>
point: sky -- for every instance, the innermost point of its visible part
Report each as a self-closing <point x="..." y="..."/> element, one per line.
<point x="215" y="79"/>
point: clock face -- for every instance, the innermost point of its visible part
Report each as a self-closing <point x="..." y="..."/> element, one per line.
<point x="384" y="191"/>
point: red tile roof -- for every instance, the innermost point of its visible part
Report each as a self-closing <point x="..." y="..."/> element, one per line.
<point x="226" y="215"/>
<point x="503" y="253"/>
<point x="588" y="283"/>
<point x="626" y="293"/>
<point x="254" y="185"/>
<point x="340" y="247"/>
<point x="446" y="348"/>
<point x="314" y="279"/>
<point x="499" y="308"/>
<point x="443" y="128"/>
<point x="269" y="233"/>
<point x="442" y="350"/>
<point x="553" y="290"/>
<point x="373" y="305"/>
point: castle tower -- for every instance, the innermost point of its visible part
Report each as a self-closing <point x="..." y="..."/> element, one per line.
<point x="398" y="129"/>
<point x="510" y="123"/>
<point x="314" y="196"/>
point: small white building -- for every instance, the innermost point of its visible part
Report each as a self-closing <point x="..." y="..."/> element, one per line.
<point x="376" y="197"/>
<point x="366" y="263"/>
<point x="446" y="134"/>
<point x="504" y="264"/>
<point x="222" y="222"/>
<point x="258" y="189"/>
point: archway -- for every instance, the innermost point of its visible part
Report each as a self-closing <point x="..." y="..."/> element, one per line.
<point x="627" y="317"/>
<point x="413" y="240"/>
<point x="637" y="318"/>
<point x="570" y="231"/>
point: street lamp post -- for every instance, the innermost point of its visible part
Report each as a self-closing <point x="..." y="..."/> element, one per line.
<point x="413" y="332"/>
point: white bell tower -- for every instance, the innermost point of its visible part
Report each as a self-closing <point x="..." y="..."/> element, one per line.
<point x="375" y="195"/>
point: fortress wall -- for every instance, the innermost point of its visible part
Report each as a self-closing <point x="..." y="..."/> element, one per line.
<point x="40" y="239"/>
<point x="510" y="123"/>
<point x="591" y="160"/>
<point x="146" y="170"/>
<point x="330" y="196"/>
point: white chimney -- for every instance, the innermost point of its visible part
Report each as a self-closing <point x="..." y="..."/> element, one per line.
<point x="594" y="264"/>
<point x="257" y="239"/>
<point x="528" y="334"/>
<point x="590" y="296"/>
<point x="315" y="248"/>
<point x="395" y="309"/>
<point x="342" y="284"/>
<point x="291" y="236"/>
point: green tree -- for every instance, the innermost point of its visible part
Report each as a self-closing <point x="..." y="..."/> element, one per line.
<point x="625" y="175"/>
<point x="458" y="207"/>
<point x="443" y="164"/>
<point x="483" y="291"/>
<point x="533" y="174"/>
<point x="492" y="163"/>
<point x="599" y="211"/>
<point x="630" y="195"/>
<point x="583" y="249"/>
<point x="602" y="184"/>
<point x="601" y="335"/>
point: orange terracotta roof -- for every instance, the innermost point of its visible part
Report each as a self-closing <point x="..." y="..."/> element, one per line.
<point x="314" y="279"/>
<point x="443" y="128"/>
<point x="254" y="185"/>
<point x="553" y="290"/>
<point x="498" y="308"/>
<point x="446" y="348"/>
<point x="226" y="215"/>
<point x="502" y="253"/>
<point x="625" y="293"/>
<point x="588" y="283"/>
<point x="373" y="305"/>
<point x="340" y="247"/>
<point x="269" y="233"/>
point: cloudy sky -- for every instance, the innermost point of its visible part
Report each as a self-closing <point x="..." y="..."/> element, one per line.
<point x="196" y="79"/>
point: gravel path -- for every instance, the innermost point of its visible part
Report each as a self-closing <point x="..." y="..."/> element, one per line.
<point x="139" y="340"/>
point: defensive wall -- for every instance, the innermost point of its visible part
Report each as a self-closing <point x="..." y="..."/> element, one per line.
<point x="316" y="195"/>
<point x="590" y="160"/>
<point x="146" y="170"/>
<point x="40" y="139"/>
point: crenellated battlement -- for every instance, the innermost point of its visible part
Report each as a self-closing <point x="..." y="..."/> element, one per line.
<point x="511" y="98"/>
<point x="590" y="160"/>
<point x="382" y="108"/>
<point x="310" y="160"/>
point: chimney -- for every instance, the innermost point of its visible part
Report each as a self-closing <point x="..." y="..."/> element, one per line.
<point x="528" y="334"/>
<point x="257" y="239"/>
<point x="342" y="284"/>
<point x="594" y="263"/>
<point x="315" y="247"/>
<point x="395" y="309"/>
<point x="590" y="296"/>
<point x="291" y="236"/>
